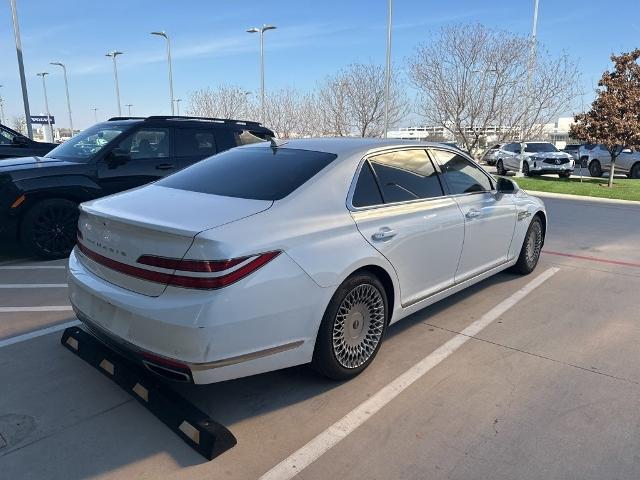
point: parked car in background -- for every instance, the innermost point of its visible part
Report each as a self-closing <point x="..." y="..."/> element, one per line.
<point x="583" y="153"/>
<point x="308" y="250"/>
<point x="599" y="162"/>
<point x="572" y="149"/>
<point x="14" y="144"/>
<point x="490" y="156"/>
<point x="40" y="195"/>
<point x="538" y="158"/>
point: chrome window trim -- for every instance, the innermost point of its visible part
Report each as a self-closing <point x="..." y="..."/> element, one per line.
<point x="377" y="152"/>
<point x="492" y="181"/>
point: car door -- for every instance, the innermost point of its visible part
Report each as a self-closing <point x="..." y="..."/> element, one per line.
<point x="399" y="207"/>
<point x="489" y="216"/>
<point x="193" y="145"/>
<point x="512" y="156"/>
<point x="142" y="157"/>
<point x="625" y="160"/>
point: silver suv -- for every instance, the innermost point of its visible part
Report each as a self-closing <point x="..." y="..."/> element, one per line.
<point x="538" y="158"/>
<point x="599" y="162"/>
<point x="490" y="156"/>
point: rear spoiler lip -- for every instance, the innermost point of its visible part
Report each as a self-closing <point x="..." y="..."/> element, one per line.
<point x="138" y="222"/>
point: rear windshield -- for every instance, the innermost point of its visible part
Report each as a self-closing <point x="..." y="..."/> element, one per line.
<point x="540" y="147"/>
<point x="253" y="173"/>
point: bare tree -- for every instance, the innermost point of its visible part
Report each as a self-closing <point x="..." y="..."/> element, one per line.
<point x="352" y="101"/>
<point x="471" y="78"/>
<point x="19" y="124"/>
<point x="282" y="112"/>
<point x="226" y="101"/>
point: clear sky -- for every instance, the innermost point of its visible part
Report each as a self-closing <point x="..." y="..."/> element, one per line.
<point x="313" y="39"/>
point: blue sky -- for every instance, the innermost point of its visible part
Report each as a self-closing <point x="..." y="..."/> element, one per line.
<point x="313" y="39"/>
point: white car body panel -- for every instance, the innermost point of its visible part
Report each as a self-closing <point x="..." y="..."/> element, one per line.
<point x="624" y="162"/>
<point x="269" y="319"/>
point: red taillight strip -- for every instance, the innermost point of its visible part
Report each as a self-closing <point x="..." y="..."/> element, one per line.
<point x="207" y="283"/>
<point x="207" y="266"/>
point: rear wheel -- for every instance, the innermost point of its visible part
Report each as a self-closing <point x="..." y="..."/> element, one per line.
<point x="352" y="328"/>
<point x="595" y="169"/>
<point x="525" y="168"/>
<point x="48" y="228"/>
<point x="635" y="171"/>
<point x="500" y="170"/>
<point x="564" y="174"/>
<point x="531" y="247"/>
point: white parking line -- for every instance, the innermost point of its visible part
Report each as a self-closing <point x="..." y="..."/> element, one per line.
<point x="37" y="333"/>
<point x="33" y="285"/>
<point x="52" y="308"/>
<point x="309" y="453"/>
<point x="32" y="267"/>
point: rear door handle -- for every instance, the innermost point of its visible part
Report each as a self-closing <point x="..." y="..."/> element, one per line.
<point x="385" y="233"/>
<point x="164" y="166"/>
<point x="473" y="213"/>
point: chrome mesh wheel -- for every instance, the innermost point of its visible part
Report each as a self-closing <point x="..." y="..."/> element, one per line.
<point x="533" y="244"/>
<point x="358" y="326"/>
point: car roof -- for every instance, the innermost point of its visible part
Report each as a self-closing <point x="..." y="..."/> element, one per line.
<point x="343" y="146"/>
<point x="191" y="121"/>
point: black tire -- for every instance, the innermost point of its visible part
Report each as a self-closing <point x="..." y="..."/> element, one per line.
<point x="341" y="357"/>
<point x="525" y="168"/>
<point x="595" y="169"/>
<point x="583" y="162"/>
<point x="500" y="170"/>
<point x="531" y="248"/>
<point x="564" y="175"/>
<point x="49" y="228"/>
<point x="635" y="170"/>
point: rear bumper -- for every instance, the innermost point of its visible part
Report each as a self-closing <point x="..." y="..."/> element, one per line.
<point x="265" y="322"/>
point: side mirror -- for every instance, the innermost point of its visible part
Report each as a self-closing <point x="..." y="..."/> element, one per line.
<point x="505" y="185"/>
<point x="626" y="150"/>
<point x="20" y="141"/>
<point x="117" y="157"/>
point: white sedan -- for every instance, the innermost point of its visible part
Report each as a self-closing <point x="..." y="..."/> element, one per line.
<point x="274" y="255"/>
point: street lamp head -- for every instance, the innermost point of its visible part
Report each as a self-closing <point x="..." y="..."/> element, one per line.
<point x="58" y="64"/>
<point x="114" y="54"/>
<point x="253" y="30"/>
<point x="161" y="34"/>
<point x="268" y="27"/>
<point x="42" y="74"/>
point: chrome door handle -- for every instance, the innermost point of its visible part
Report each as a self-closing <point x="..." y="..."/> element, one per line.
<point x="473" y="213"/>
<point x="384" y="234"/>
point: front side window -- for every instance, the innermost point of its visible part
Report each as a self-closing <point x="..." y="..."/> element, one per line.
<point x="86" y="144"/>
<point x="460" y="174"/>
<point x="191" y="142"/>
<point x="252" y="172"/>
<point x="146" y="143"/>
<point x="406" y="175"/>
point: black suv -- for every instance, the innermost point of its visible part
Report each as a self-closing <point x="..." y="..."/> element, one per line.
<point x="39" y="195"/>
<point x="14" y="144"/>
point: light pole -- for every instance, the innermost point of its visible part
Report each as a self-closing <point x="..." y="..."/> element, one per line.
<point x="1" y="107"/>
<point x="46" y="102"/>
<point x="23" y="80"/>
<point x="261" y="31"/>
<point x="95" y="114"/>
<point x="534" y="28"/>
<point x="66" y="87"/>
<point x="387" y="83"/>
<point x="178" y="100"/>
<point x="129" y="105"/>
<point x="113" y="55"/>
<point x="164" y="34"/>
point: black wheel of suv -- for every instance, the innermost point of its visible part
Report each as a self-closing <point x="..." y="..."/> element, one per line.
<point x="531" y="247"/>
<point x="564" y="174"/>
<point x="525" y="169"/>
<point x="49" y="227"/>
<point x="500" y="170"/>
<point x="635" y="171"/>
<point x="352" y="328"/>
<point x="595" y="170"/>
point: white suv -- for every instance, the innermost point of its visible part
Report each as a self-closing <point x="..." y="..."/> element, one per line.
<point x="538" y="158"/>
<point x="599" y="162"/>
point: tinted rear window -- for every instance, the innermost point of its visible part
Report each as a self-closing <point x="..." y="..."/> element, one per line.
<point x="253" y="173"/>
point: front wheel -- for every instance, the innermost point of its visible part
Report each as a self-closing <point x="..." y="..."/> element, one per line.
<point x="525" y="169"/>
<point x="635" y="171"/>
<point x="564" y="174"/>
<point x="500" y="170"/>
<point x="352" y="328"/>
<point x="595" y="170"/>
<point x="48" y="228"/>
<point x="531" y="248"/>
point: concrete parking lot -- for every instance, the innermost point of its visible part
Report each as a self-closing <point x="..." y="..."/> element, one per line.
<point x="549" y="388"/>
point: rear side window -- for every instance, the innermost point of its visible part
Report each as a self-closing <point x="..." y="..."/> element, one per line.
<point x="192" y="142"/>
<point x="253" y="173"/>
<point x="406" y="175"/>
<point x="245" y="137"/>
<point x="366" y="192"/>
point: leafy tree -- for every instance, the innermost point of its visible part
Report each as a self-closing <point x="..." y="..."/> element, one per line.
<point x="614" y="118"/>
